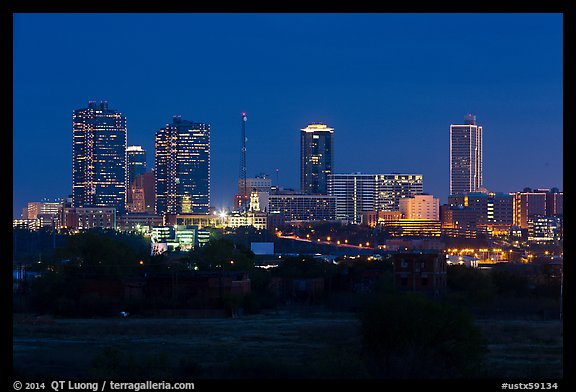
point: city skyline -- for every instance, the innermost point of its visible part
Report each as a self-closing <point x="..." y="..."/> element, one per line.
<point x="380" y="130"/>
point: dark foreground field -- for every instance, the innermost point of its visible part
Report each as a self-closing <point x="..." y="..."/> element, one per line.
<point x="280" y="345"/>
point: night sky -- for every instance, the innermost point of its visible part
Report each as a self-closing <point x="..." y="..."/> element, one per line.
<point x="389" y="84"/>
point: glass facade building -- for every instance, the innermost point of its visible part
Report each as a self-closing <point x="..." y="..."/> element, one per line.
<point x="392" y="187"/>
<point x="303" y="207"/>
<point x="492" y="211"/>
<point x="465" y="156"/>
<point x="136" y="162"/>
<point x="357" y="193"/>
<point x="136" y="156"/>
<point x="99" y="157"/>
<point x="182" y="168"/>
<point x="316" y="158"/>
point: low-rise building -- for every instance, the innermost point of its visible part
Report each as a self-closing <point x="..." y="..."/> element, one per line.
<point x="177" y="237"/>
<point x="425" y="272"/>
<point x="544" y="228"/>
<point x="258" y="220"/>
<point x="139" y="222"/>
<point x="83" y="218"/>
<point x="412" y="228"/>
<point x="303" y="208"/>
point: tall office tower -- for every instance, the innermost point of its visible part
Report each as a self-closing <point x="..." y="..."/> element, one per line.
<point x="136" y="165"/>
<point x="316" y="158"/>
<point x="182" y="167"/>
<point x="99" y="157"/>
<point x="465" y="156"/>
<point x="136" y="156"/>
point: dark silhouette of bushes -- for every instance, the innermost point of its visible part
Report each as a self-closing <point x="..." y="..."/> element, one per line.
<point x="411" y="336"/>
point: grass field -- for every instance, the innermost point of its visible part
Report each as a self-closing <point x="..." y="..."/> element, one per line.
<point x="278" y="345"/>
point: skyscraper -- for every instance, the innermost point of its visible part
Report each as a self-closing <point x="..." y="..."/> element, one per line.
<point x="136" y="165"/>
<point x="99" y="157"/>
<point x="465" y="156"/>
<point x="182" y="167"/>
<point x="316" y="158"/>
<point x="136" y="156"/>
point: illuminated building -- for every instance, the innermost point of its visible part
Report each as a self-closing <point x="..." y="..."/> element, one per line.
<point x="199" y="220"/>
<point x="554" y="203"/>
<point x="186" y="237"/>
<point x="259" y="201"/>
<point x="369" y="218"/>
<point x="543" y="228"/>
<point x="468" y="261"/>
<point x="162" y="233"/>
<point x="493" y="212"/>
<point x="465" y="156"/>
<point x="543" y="202"/>
<point x="82" y="218"/>
<point x="182" y="167"/>
<point x="177" y="237"/>
<point x="412" y="228"/>
<point x="260" y="183"/>
<point x="355" y="194"/>
<point x="390" y="188"/>
<point x="136" y="165"/>
<point x="373" y="218"/>
<point x="358" y="193"/>
<point x="458" y="221"/>
<point x="45" y="211"/>
<point x="140" y="222"/>
<point x="142" y="191"/>
<point x="297" y="208"/>
<point x="316" y="158"/>
<point x="28" y="224"/>
<point x="388" y="216"/>
<point x="420" y="207"/>
<point x="99" y="157"/>
<point x="258" y="220"/>
<point x="136" y="157"/>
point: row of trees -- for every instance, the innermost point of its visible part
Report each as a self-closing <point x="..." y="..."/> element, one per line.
<point x="113" y="256"/>
<point x="403" y="335"/>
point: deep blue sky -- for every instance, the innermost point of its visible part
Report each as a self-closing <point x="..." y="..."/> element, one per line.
<point x="390" y="85"/>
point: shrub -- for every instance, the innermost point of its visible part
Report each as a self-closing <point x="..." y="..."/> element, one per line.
<point x="410" y="336"/>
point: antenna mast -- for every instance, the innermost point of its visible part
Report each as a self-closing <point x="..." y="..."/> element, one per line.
<point x="244" y="197"/>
